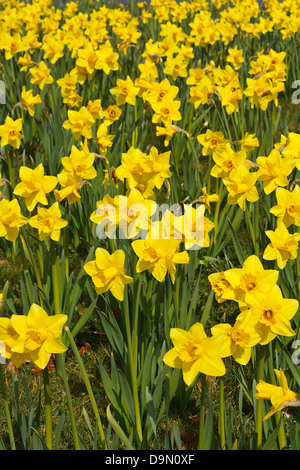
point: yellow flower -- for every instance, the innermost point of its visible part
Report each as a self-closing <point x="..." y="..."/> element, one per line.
<point x="166" y="110"/>
<point x="199" y="94"/>
<point x="53" y="48"/>
<point x="206" y="199"/>
<point x="10" y="132"/>
<point x="273" y="170"/>
<point x="283" y="246"/>
<point x="80" y="163"/>
<point x="195" y="353"/>
<point x="25" y="62"/>
<point x="235" y="56"/>
<point x="34" y="186"/>
<point x="10" y="219"/>
<point x="271" y="313"/>
<point x="12" y="44"/>
<point x="104" y="140"/>
<point x="125" y="92"/>
<point x="80" y="122"/>
<point x="250" y="277"/>
<point x="230" y="97"/>
<point x="160" y="90"/>
<point x="241" y="186"/>
<point x="220" y="285"/>
<point x="287" y="208"/>
<point x="159" y="256"/>
<point x="176" y="67"/>
<point x="32" y="337"/>
<point x="226" y="160"/>
<point x="258" y="92"/>
<point x="111" y="114"/>
<point x="70" y="186"/>
<point x="48" y="222"/>
<point x="238" y="339"/>
<point x="108" y="272"/>
<point x="212" y="141"/>
<point x="291" y="149"/>
<point x="41" y="75"/>
<point x="95" y="108"/>
<point x="249" y="142"/>
<point x="29" y="101"/>
<point x="67" y="84"/>
<point x="280" y="396"/>
<point x="132" y="167"/>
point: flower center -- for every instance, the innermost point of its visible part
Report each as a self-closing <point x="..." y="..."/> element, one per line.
<point x="190" y="351"/>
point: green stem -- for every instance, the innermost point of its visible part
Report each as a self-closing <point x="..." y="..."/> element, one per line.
<point x="55" y="277"/>
<point x="252" y="232"/>
<point x="133" y="367"/>
<point x="259" y="403"/>
<point x="6" y="407"/>
<point x="62" y="373"/>
<point x="222" y="414"/>
<point x="59" y="358"/>
<point x="48" y="409"/>
<point x="202" y="413"/>
<point x="196" y="162"/>
<point x="87" y="384"/>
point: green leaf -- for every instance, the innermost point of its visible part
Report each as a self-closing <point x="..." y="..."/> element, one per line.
<point x="118" y="430"/>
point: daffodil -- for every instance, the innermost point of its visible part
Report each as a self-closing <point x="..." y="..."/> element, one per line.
<point x="271" y="313"/>
<point x="280" y="395"/>
<point x="125" y="91"/>
<point x="283" y="245"/>
<point x="104" y="139"/>
<point x="195" y="353"/>
<point x="212" y="141"/>
<point x="48" y="222"/>
<point x="80" y="122"/>
<point x="34" y="186"/>
<point x="11" y="219"/>
<point x="108" y="273"/>
<point x="226" y="160"/>
<point x="238" y="339"/>
<point x="80" y="163"/>
<point x="230" y="97"/>
<point x="41" y="75"/>
<point x="32" y="337"/>
<point x="273" y="171"/>
<point x="241" y="186"/>
<point x="287" y="208"/>
<point x="220" y="285"/>
<point x="166" y="110"/>
<point x="291" y="150"/>
<point x="160" y="256"/>
<point x="29" y="101"/>
<point x="10" y="132"/>
<point x="250" y="277"/>
<point x="249" y="142"/>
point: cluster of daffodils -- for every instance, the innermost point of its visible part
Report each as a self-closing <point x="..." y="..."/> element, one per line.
<point x="264" y="314"/>
<point x="75" y="67"/>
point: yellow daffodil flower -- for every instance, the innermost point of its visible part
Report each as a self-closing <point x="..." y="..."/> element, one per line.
<point x="48" y="222"/>
<point x="160" y="256"/>
<point x="283" y="246"/>
<point x="10" y="132"/>
<point x="11" y="219"/>
<point x="108" y="273"/>
<point x="34" y="186"/>
<point x="195" y="353"/>
<point x="32" y="337"/>
<point x="271" y="313"/>
<point x="280" y="396"/>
